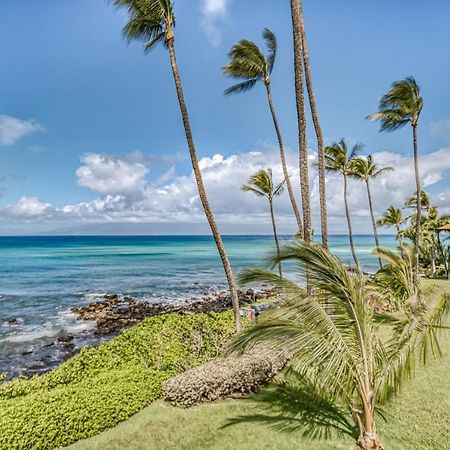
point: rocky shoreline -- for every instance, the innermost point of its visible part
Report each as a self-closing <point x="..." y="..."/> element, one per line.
<point x="109" y="316"/>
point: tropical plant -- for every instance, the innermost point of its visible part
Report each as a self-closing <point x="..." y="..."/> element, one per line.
<point x="393" y="218"/>
<point x="338" y="159"/>
<point x="366" y="169"/>
<point x="248" y="63"/>
<point x="348" y="365"/>
<point x="261" y="184"/>
<point x="317" y="128"/>
<point x="296" y="16"/>
<point x="153" y="22"/>
<point x="400" y="106"/>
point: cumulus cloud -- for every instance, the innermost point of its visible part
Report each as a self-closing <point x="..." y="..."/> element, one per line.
<point x="172" y="200"/>
<point x="12" y="129"/>
<point x="441" y="129"/>
<point x="213" y="11"/>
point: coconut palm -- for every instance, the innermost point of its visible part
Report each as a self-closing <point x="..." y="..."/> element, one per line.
<point x="366" y="169"/>
<point x="349" y="367"/>
<point x="248" y="63"/>
<point x="339" y="159"/>
<point x="153" y="22"/>
<point x="393" y="218"/>
<point x="261" y="184"/>
<point x="400" y="106"/>
<point x="317" y="129"/>
<point x="301" y="117"/>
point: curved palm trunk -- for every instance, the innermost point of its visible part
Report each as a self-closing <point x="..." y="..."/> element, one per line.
<point x="419" y="210"/>
<point x="283" y="160"/>
<point x="275" y="234"/>
<point x="399" y="238"/>
<point x="318" y="131"/>
<point x="374" y="224"/>
<point x="349" y="223"/>
<point x="201" y="188"/>
<point x="301" y="116"/>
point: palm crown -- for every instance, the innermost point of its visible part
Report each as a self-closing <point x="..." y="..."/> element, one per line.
<point x="338" y="159"/>
<point x="366" y="168"/>
<point x="247" y="62"/>
<point x="402" y="104"/>
<point x="150" y="21"/>
<point x="391" y="218"/>
<point x="261" y="184"/>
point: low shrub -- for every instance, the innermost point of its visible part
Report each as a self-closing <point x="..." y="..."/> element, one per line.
<point x="224" y="377"/>
<point x="105" y="385"/>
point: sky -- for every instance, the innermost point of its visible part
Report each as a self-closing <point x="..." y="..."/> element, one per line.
<point x="91" y="140"/>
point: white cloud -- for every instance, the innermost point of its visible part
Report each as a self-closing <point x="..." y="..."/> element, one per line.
<point x="213" y="11"/>
<point x="441" y="129"/>
<point x="109" y="175"/>
<point x="28" y="207"/>
<point x="12" y="129"/>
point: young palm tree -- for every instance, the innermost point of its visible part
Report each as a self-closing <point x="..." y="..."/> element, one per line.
<point x="337" y="159"/>
<point x="401" y="105"/>
<point x="153" y="21"/>
<point x="248" y="63"/>
<point x="347" y="365"/>
<point x="318" y="130"/>
<point x="393" y="218"/>
<point x="261" y="184"/>
<point x="366" y="169"/>
<point x="301" y="117"/>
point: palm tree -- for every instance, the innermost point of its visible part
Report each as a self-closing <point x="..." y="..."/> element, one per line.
<point x="301" y="117"/>
<point x="248" y="63"/>
<point x="366" y="169"/>
<point x="393" y="218"/>
<point x="153" y="21"/>
<point x="337" y="159"/>
<point x="317" y="129"/>
<point x="261" y="184"/>
<point x="348" y="366"/>
<point x="401" y="105"/>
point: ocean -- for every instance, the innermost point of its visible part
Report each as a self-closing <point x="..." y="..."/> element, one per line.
<point x="41" y="278"/>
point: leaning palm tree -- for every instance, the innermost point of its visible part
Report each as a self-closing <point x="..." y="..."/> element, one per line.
<point x="393" y="218"/>
<point x="248" y="63"/>
<point x="153" y="22"/>
<point x="366" y="169"/>
<point x="338" y="159"/>
<point x="261" y="184"/>
<point x="348" y="366"/>
<point x="317" y="129"/>
<point x="301" y="118"/>
<point x="400" y="106"/>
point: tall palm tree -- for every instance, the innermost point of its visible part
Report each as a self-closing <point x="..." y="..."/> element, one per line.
<point x="248" y="63"/>
<point x="261" y="184"/>
<point x="301" y="117"/>
<point x="348" y="366"/>
<point x="338" y="159"/>
<point x="366" y="169"/>
<point x="153" y="21"/>
<point x="317" y="129"/>
<point x="400" y="106"/>
<point x="393" y="218"/>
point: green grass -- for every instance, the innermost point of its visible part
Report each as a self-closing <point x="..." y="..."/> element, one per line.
<point x="419" y="419"/>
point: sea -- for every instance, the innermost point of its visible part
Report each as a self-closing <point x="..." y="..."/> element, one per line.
<point x="42" y="278"/>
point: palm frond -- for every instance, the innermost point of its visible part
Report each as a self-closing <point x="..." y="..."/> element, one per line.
<point x="241" y="87"/>
<point x="271" y="44"/>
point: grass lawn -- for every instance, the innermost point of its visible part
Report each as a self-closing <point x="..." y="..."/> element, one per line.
<point x="419" y="419"/>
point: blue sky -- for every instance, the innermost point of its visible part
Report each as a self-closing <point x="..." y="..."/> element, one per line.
<point x="68" y="76"/>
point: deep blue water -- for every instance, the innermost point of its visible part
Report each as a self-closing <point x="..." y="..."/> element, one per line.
<point x="42" y="277"/>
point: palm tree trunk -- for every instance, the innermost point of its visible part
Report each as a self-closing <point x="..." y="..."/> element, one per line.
<point x="400" y="241"/>
<point x="283" y="161"/>
<point x="374" y="224"/>
<point x="349" y="223"/>
<point x="419" y="210"/>
<point x="301" y="117"/>
<point x="318" y="130"/>
<point x="275" y="234"/>
<point x="201" y="188"/>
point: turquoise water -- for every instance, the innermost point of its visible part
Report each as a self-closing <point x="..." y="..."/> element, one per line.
<point x="42" y="277"/>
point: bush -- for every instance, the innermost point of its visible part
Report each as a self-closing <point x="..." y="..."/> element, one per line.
<point x="224" y="377"/>
<point x="105" y="385"/>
